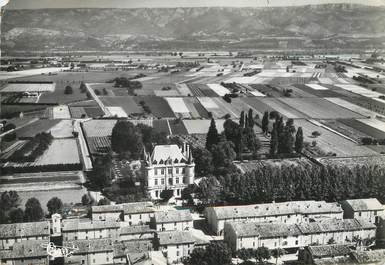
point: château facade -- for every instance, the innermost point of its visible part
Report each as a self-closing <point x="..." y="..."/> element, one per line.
<point x="169" y="167"/>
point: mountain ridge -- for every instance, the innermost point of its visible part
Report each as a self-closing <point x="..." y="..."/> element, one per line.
<point x="111" y="28"/>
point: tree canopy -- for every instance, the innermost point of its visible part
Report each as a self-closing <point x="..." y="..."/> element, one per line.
<point x="54" y="205"/>
<point x="33" y="211"/>
<point x="214" y="254"/>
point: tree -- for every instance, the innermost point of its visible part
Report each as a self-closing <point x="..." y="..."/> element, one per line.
<point x="212" y="137"/>
<point x="203" y="161"/>
<point x="315" y="134"/>
<point x="242" y="120"/>
<point x="214" y="254"/>
<point x="223" y="154"/>
<point x="265" y="122"/>
<point x="54" y="205"/>
<point x="126" y="138"/>
<point x="9" y="137"/>
<point x="262" y="254"/>
<point x="166" y="195"/>
<point x="9" y="199"/>
<point x="277" y="253"/>
<point x="251" y="118"/>
<point x="86" y="200"/>
<point x="16" y="215"/>
<point x="274" y="141"/>
<point x="104" y="201"/>
<point x="68" y="90"/>
<point x="33" y="211"/>
<point x="9" y="126"/>
<point x="97" y="92"/>
<point x="299" y="140"/>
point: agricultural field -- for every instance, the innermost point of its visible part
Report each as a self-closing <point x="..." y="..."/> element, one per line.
<point x="273" y="104"/>
<point x="202" y="126"/>
<point x="360" y="91"/>
<point x="344" y="129"/>
<point x="372" y="127"/>
<point x="127" y="104"/>
<point x="353" y="107"/>
<point x="36" y="127"/>
<point x="218" y="107"/>
<point x="68" y="150"/>
<point x="328" y="91"/>
<point x="330" y="141"/>
<point x="201" y="90"/>
<point x="353" y="162"/>
<point x="318" y="108"/>
<point x="98" y="128"/>
<point x="99" y="144"/>
<point x="195" y="140"/>
<point x="158" y="106"/>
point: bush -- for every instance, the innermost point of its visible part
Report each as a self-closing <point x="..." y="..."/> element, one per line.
<point x="9" y="137"/>
<point x="97" y="92"/>
<point x="68" y="90"/>
<point x="9" y="126"/>
<point x="316" y="134"/>
<point x="366" y="141"/>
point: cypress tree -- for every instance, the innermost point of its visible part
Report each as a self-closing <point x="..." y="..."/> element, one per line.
<point x="212" y="137"/>
<point x="299" y="140"/>
<point x="274" y="140"/>
<point x="242" y="120"/>
<point x="265" y="122"/>
<point x="251" y="118"/>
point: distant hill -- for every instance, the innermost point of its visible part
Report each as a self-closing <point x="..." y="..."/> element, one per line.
<point x="320" y="26"/>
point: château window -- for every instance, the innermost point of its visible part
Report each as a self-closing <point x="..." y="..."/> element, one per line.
<point x="156" y="172"/>
<point x="156" y="182"/>
<point x="170" y="171"/>
<point x="162" y="171"/>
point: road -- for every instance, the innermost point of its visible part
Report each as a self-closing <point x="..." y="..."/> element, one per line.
<point x="30" y="72"/>
<point x="87" y="162"/>
<point x="107" y="113"/>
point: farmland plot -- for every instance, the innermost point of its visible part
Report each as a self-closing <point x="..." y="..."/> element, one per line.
<point x="352" y="107"/>
<point x="219" y="89"/>
<point x="158" y="106"/>
<point x="127" y="103"/>
<point x="36" y="127"/>
<point x="318" y="108"/>
<point x="217" y="107"/>
<point x="179" y="107"/>
<point x="331" y="142"/>
<point x="98" y="128"/>
<point x="68" y="150"/>
<point x="330" y="92"/>
<point x="360" y="91"/>
<point x="202" y="126"/>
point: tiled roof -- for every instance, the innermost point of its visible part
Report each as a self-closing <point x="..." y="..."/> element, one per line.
<point x="365" y="257"/>
<point x="330" y="250"/>
<point x="90" y="245"/>
<point x="127" y="208"/>
<point x="265" y="230"/>
<point x="24" y="229"/>
<point x="173" y="216"/>
<point x="175" y="237"/>
<point x="273" y="209"/>
<point x="268" y="230"/>
<point x="25" y="249"/>
<point x="365" y="205"/>
<point x="334" y="225"/>
<point x="136" y="229"/>
<point x="123" y="248"/>
<point x="86" y="224"/>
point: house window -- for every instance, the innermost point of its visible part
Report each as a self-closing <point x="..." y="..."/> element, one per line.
<point x="359" y="214"/>
<point x="177" y="180"/>
<point x="156" y="182"/>
<point x="296" y="242"/>
<point x="178" y="192"/>
<point x="177" y="170"/>
<point x="185" y="180"/>
<point x="183" y="170"/>
<point x="177" y="253"/>
<point x="170" y="181"/>
<point x="107" y="259"/>
<point x="156" y="172"/>
<point x="170" y="171"/>
<point x="156" y="194"/>
<point x="93" y="260"/>
<point x="140" y="216"/>
<point x="162" y="181"/>
<point x="82" y="261"/>
<point x="162" y="171"/>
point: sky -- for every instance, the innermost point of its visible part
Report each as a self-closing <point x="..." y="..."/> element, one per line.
<point x="36" y="4"/>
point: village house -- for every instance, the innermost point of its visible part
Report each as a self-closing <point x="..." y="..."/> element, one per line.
<point x="283" y="235"/>
<point x="285" y="212"/>
<point x="146" y="258"/>
<point x="77" y="229"/>
<point x="124" y="248"/>
<point x="135" y="213"/>
<point x="176" y="245"/>
<point x="312" y="255"/>
<point x="173" y="220"/>
<point x="137" y="232"/>
<point x="25" y="253"/>
<point x="169" y="168"/>
<point x="368" y="209"/>
<point x="14" y="233"/>
<point x="90" y="252"/>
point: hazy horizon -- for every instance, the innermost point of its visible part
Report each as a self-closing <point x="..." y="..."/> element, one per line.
<point x="40" y="4"/>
